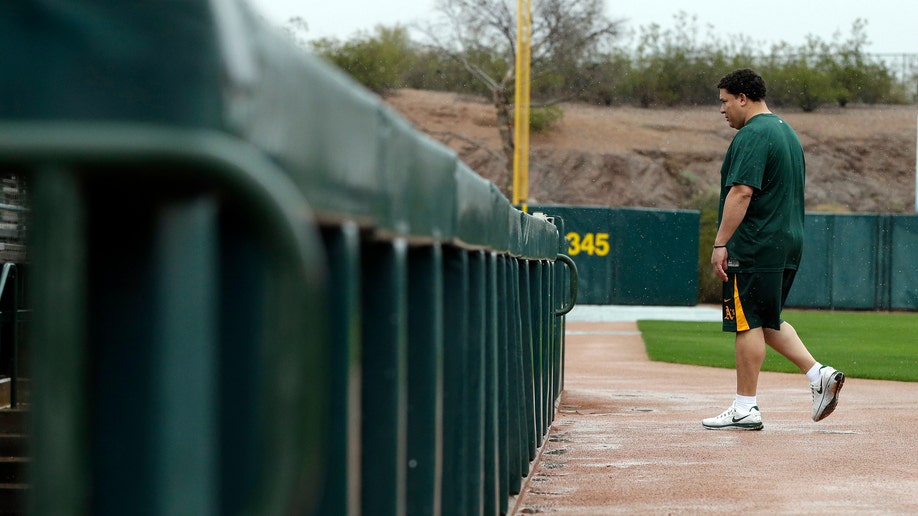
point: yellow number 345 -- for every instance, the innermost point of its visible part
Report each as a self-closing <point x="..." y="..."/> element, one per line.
<point x="592" y="244"/>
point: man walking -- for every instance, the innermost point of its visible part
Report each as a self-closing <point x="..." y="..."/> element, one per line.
<point x="758" y="246"/>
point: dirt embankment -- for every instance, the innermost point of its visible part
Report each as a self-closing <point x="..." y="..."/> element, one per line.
<point x="859" y="159"/>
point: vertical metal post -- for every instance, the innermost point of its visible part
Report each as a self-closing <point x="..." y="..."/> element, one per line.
<point x="14" y="379"/>
<point x="425" y="380"/>
<point x="341" y="493"/>
<point x="385" y="381"/>
<point x="60" y="468"/>
<point x="503" y="383"/>
<point x="528" y="361"/>
<point x="519" y="428"/>
<point x="491" y="493"/>
<point x="475" y="408"/>
<point x="455" y="377"/>
<point x="184" y="372"/>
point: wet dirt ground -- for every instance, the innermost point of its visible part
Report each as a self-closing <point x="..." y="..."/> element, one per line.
<point x="627" y="439"/>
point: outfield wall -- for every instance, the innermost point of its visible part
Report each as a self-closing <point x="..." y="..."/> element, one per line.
<point x="858" y="262"/>
<point x="634" y="256"/>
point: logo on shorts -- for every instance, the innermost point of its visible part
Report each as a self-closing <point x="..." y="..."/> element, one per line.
<point x="729" y="314"/>
<point x="732" y="263"/>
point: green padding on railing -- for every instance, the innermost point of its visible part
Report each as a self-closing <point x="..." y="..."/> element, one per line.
<point x="485" y="218"/>
<point x="420" y="197"/>
<point x="550" y="241"/>
<point x="228" y="70"/>
<point x="500" y="220"/>
<point x="525" y="234"/>
<point x="473" y="208"/>
<point x="515" y="233"/>
<point x="539" y="238"/>
<point x="348" y="154"/>
<point x="328" y="140"/>
<point x="151" y="62"/>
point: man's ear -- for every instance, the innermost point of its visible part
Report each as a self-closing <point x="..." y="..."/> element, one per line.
<point x="742" y="98"/>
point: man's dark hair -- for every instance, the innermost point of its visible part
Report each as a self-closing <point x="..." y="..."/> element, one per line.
<point x="744" y="80"/>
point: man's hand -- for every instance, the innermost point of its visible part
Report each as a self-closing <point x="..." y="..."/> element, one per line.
<point x="719" y="262"/>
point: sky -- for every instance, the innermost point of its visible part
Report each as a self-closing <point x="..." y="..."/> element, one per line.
<point x="890" y="23"/>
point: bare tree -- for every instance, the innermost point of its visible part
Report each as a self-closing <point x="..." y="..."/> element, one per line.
<point x="476" y="33"/>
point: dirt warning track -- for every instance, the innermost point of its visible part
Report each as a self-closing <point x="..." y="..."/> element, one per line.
<point x="627" y="439"/>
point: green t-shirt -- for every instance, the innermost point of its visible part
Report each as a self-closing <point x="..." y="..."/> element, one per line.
<point x="766" y="154"/>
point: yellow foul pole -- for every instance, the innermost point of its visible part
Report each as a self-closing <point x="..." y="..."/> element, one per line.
<point x="521" y="105"/>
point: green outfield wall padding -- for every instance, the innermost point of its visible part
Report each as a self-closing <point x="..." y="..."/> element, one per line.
<point x="903" y="268"/>
<point x="632" y="256"/>
<point x="598" y="268"/>
<point x="813" y="284"/>
<point x="858" y="262"/>
<point x="657" y="264"/>
<point x="854" y="279"/>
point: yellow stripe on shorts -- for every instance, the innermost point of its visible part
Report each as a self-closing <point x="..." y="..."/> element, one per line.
<point x="741" y="323"/>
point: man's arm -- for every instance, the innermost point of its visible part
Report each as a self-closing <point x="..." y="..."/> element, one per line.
<point x="735" y="206"/>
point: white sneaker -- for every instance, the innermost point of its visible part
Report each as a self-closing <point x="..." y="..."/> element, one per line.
<point x="825" y="392"/>
<point x="731" y="419"/>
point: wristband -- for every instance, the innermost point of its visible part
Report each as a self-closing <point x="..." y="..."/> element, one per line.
<point x="719" y="246"/>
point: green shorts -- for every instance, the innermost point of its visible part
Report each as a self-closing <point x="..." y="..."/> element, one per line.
<point x="755" y="299"/>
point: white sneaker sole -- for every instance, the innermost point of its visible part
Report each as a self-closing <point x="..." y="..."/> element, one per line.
<point x="748" y="426"/>
<point x="834" y="388"/>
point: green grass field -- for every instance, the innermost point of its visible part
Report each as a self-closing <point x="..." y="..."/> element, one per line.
<point x="873" y="345"/>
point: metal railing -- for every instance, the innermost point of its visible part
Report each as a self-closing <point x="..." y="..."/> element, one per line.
<point x="257" y="290"/>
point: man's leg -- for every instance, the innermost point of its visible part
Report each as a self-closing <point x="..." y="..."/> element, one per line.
<point x="788" y="343"/>
<point x="825" y="382"/>
<point x="750" y="353"/>
<point x="743" y="414"/>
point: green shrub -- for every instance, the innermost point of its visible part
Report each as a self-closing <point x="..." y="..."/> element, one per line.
<point x="542" y="119"/>
<point x="666" y="68"/>
<point x="379" y="62"/>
